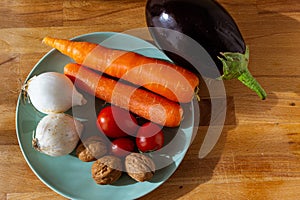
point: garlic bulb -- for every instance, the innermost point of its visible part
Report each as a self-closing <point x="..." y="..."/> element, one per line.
<point x="57" y="134"/>
<point x="52" y="92"/>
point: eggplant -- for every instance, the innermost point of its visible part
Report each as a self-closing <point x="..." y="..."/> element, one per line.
<point x="188" y="30"/>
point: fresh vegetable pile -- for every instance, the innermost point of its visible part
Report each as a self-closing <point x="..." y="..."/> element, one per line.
<point x="135" y="87"/>
<point x="143" y="95"/>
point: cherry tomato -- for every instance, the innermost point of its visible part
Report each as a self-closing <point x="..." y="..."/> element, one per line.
<point x="121" y="147"/>
<point x="149" y="137"/>
<point x="116" y="122"/>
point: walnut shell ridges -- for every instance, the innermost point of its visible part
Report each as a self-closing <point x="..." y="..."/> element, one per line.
<point x="139" y="167"/>
<point x="91" y="149"/>
<point x="107" y="170"/>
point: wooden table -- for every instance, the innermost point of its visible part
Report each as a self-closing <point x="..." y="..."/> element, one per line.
<point x="258" y="154"/>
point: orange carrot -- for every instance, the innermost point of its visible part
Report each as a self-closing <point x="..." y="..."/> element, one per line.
<point x="141" y="102"/>
<point x="161" y="77"/>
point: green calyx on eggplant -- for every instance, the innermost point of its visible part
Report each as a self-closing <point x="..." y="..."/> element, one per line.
<point x="190" y="31"/>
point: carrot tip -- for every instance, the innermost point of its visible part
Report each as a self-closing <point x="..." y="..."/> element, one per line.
<point x="47" y="40"/>
<point x="44" y="39"/>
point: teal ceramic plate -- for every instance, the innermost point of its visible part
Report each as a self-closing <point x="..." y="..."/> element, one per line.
<point x="71" y="177"/>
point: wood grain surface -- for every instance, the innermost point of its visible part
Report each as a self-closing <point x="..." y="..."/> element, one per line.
<point x="258" y="154"/>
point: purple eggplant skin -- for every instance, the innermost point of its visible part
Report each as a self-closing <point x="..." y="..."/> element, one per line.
<point x="211" y="26"/>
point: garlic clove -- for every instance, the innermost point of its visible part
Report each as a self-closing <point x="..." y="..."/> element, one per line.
<point x="57" y="134"/>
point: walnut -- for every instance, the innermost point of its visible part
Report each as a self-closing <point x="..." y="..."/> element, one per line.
<point x="107" y="170"/>
<point x="139" y="167"/>
<point x="91" y="149"/>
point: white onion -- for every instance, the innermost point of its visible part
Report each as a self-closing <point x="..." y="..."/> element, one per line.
<point x="52" y="92"/>
<point x="57" y="134"/>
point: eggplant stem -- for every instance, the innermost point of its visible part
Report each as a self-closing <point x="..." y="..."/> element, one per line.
<point x="235" y="65"/>
<point x="247" y="79"/>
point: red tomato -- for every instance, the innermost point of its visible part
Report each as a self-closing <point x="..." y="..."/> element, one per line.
<point x="121" y="147"/>
<point x="149" y="137"/>
<point x="116" y="122"/>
